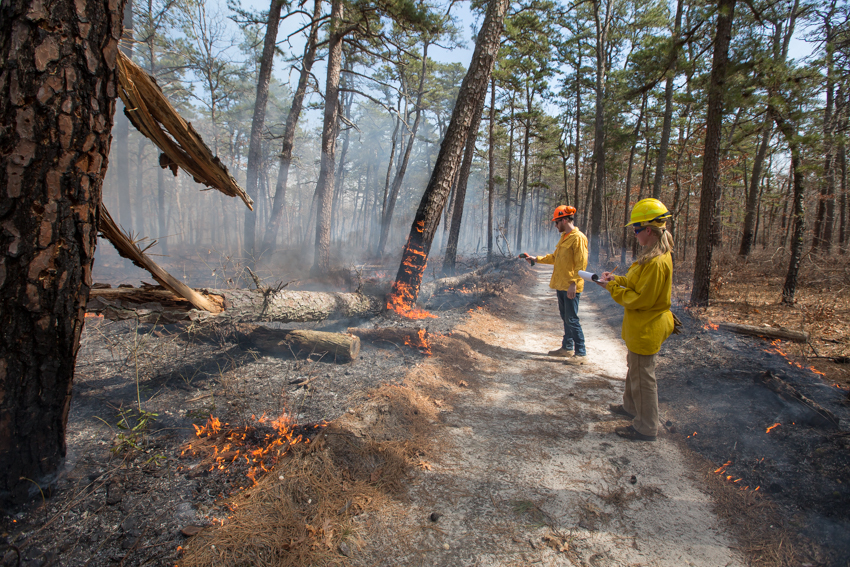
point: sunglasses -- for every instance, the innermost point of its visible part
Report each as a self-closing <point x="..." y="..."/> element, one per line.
<point x="639" y="229"/>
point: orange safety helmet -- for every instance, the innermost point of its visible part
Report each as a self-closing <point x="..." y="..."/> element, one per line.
<point x="563" y="211"/>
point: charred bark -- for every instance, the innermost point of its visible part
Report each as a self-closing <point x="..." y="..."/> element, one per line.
<point x="474" y="86"/>
<point x="333" y="347"/>
<point x="57" y="100"/>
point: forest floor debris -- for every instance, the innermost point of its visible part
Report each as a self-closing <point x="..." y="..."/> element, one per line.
<point x="484" y="452"/>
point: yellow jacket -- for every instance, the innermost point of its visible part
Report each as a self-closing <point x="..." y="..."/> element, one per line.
<point x="569" y="257"/>
<point x="645" y="293"/>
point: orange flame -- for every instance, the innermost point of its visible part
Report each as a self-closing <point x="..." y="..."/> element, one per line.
<point x="400" y="302"/>
<point x="776" y="349"/>
<point x="710" y="326"/>
<point x="94" y="315"/>
<point x="772" y="427"/>
<point x="420" y="342"/>
<point x="260" y="451"/>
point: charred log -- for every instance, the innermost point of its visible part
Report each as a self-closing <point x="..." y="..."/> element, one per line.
<point x="339" y="347"/>
<point x="395" y="335"/>
<point x="812" y="412"/>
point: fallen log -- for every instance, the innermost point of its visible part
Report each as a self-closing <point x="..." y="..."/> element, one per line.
<point x="238" y="305"/>
<point x="395" y="335"/>
<point x="339" y="347"/>
<point x="808" y="411"/>
<point x="430" y="288"/>
<point x="771" y="332"/>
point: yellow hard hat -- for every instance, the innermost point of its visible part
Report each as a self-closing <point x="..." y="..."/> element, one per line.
<point x="649" y="211"/>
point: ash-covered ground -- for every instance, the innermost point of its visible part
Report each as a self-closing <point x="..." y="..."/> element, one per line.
<point x="711" y="393"/>
<point x="132" y="487"/>
<point x="131" y="490"/>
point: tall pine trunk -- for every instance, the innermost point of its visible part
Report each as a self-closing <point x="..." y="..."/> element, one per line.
<point x="258" y="120"/>
<point x="415" y="254"/>
<point x="273" y="226"/>
<point x="491" y="176"/>
<point x="711" y="156"/>
<point x="748" y="235"/>
<point x="402" y="169"/>
<point x="57" y="101"/>
<point x="661" y="161"/>
<point x="325" y="183"/>
<point x="460" y="194"/>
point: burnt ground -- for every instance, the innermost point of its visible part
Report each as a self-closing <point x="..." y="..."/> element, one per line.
<point x="716" y="406"/>
<point x="131" y="489"/>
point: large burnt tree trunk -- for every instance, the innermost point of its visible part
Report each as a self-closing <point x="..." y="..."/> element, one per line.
<point x="257" y="122"/>
<point x="711" y="155"/>
<point x="273" y="225"/>
<point x="474" y="86"/>
<point x="57" y="100"/>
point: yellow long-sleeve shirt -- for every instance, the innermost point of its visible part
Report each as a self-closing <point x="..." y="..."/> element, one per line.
<point x="645" y="293"/>
<point x="569" y="257"/>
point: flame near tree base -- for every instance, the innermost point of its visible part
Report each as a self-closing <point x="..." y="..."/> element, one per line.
<point x="414" y="260"/>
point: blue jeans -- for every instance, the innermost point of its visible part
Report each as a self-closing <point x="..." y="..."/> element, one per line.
<point x="573" y="335"/>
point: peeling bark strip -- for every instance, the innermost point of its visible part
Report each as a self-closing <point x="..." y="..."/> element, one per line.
<point x="152" y="115"/>
<point x="127" y="249"/>
<point x="57" y="100"/>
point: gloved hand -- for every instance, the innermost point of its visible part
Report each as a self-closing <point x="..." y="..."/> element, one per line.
<point x="529" y="259"/>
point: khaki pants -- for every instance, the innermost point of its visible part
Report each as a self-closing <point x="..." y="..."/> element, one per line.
<point x="641" y="396"/>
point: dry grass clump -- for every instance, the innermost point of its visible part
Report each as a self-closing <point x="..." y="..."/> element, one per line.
<point x="302" y="512"/>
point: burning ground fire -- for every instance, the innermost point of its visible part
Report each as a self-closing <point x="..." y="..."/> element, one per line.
<point x="776" y="344"/>
<point x="260" y="446"/>
<point x="419" y="341"/>
<point x="731" y="478"/>
<point x="397" y="303"/>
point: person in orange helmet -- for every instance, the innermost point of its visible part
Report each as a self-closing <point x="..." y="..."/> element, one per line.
<point x="569" y="257"/>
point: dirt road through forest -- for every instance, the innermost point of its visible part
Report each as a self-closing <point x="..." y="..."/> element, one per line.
<point x="530" y="471"/>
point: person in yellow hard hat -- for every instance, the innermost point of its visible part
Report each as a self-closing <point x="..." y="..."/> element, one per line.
<point x="645" y="293"/>
<point x="569" y="257"/>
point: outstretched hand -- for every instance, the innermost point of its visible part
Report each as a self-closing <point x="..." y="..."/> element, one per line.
<point x="529" y="259"/>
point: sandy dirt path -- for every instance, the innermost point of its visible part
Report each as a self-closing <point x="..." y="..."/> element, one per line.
<point x="530" y="471"/>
